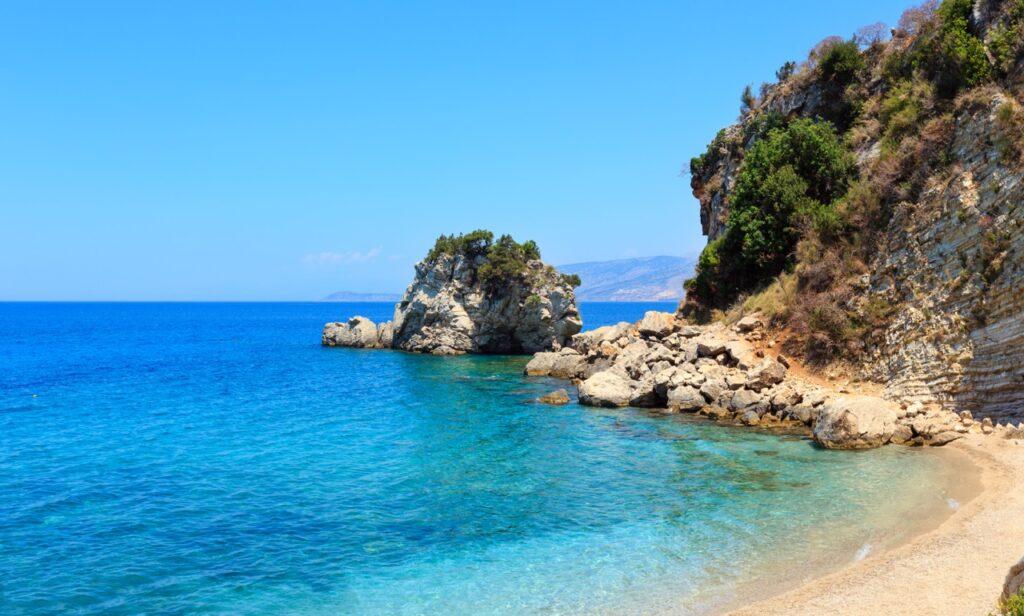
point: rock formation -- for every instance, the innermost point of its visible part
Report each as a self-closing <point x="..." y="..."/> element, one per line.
<point x="461" y="302"/>
<point x="941" y="281"/>
<point x="663" y="362"/>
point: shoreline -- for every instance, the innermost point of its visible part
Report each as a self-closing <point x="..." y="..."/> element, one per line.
<point x="956" y="566"/>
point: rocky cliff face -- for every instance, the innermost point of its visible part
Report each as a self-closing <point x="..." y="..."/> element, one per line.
<point x="947" y="268"/>
<point x="449" y="310"/>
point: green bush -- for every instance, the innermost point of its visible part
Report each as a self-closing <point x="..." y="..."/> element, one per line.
<point x="1013" y="606"/>
<point x="793" y="174"/>
<point x="1006" y="39"/>
<point x="953" y="56"/>
<point x="901" y="112"/>
<point x="785" y="71"/>
<point x="841" y="62"/>
<point x="505" y="259"/>
<point x="572" y="279"/>
<point x="471" y="244"/>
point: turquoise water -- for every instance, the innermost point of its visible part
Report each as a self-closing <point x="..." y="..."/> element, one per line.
<point x="213" y="458"/>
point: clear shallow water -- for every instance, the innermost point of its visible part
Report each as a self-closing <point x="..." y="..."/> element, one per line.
<point x="183" y="458"/>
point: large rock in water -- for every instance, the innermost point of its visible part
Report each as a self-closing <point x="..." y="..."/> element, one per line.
<point x="607" y="389"/>
<point x="449" y="310"/>
<point x="358" y="332"/>
<point x="855" y="422"/>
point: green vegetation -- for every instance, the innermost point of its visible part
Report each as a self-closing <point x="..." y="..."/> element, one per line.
<point x="572" y="280"/>
<point x="789" y="179"/>
<point x="473" y="244"/>
<point x="1006" y="39"/>
<point x="505" y="259"/>
<point x="903" y="109"/>
<point x="1013" y="606"/>
<point x="949" y="53"/>
<point x="747" y="100"/>
<point x="785" y="71"/>
<point x="802" y="219"/>
<point x="1010" y="140"/>
<point x="841" y="61"/>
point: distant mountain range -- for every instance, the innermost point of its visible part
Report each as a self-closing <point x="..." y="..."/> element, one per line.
<point x="350" y="296"/>
<point x="642" y="279"/>
<point x="632" y="280"/>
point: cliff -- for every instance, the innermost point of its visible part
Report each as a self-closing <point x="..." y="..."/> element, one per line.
<point x="906" y="268"/>
<point x="472" y="294"/>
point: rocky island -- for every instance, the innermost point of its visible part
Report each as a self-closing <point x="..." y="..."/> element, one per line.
<point x="474" y="294"/>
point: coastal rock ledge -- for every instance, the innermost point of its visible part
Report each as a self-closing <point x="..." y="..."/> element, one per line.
<point x="473" y="295"/>
<point x="662" y="362"/>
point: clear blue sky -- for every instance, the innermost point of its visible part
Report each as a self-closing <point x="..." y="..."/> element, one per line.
<point x="274" y="151"/>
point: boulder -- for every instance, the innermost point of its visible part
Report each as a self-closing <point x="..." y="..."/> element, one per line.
<point x="557" y="397"/>
<point x="564" y="364"/>
<point x="767" y="373"/>
<point x="1014" y="580"/>
<point x="748" y="324"/>
<point x="608" y="389"/>
<point x="358" y="332"/>
<point x="855" y="422"/>
<point x="742" y="399"/>
<point x="658" y="324"/>
<point x="685" y="398"/>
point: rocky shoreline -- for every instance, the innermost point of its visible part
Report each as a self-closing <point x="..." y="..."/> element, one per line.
<point x="662" y="362"/>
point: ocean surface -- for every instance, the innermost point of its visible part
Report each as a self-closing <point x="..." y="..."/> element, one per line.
<point x="213" y="458"/>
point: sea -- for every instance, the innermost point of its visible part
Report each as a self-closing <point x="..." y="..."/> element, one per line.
<point x="213" y="458"/>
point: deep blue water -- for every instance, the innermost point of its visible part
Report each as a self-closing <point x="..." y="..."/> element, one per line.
<point x="213" y="458"/>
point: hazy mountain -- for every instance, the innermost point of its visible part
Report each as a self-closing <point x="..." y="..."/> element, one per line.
<point x="350" y="296"/>
<point x="632" y="280"/>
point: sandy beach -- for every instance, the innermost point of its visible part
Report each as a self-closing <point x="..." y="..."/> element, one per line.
<point x="956" y="568"/>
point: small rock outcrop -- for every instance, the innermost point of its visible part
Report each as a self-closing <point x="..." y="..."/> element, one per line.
<point x="358" y="332"/>
<point x="855" y="422"/>
<point x="474" y="295"/>
<point x="555" y="398"/>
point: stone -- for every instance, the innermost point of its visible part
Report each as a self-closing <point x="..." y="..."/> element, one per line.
<point x="358" y="332"/>
<point x="855" y="422"/>
<point x="563" y="364"/>
<point x="713" y="389"/>
<point x="657" y="324"/>
<point x="643" y="393"/>
<point x="710" y="346"/>
<point x="748" y="324"/>
<point x="769" y="372"/>
<point x="690" y="331"/>
<point x="1014" y="580"/>
<point x="556" y="398"/>
<point x="607" y="389"/>
<point x="685" y="398"/>
<point x="750" y="418"/>
<point x="743" y="398"/>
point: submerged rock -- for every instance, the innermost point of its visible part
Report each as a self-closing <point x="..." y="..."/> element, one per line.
<point x="556" y="398"/>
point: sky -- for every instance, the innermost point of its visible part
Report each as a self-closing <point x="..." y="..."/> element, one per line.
<point x="283" y="150"/>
